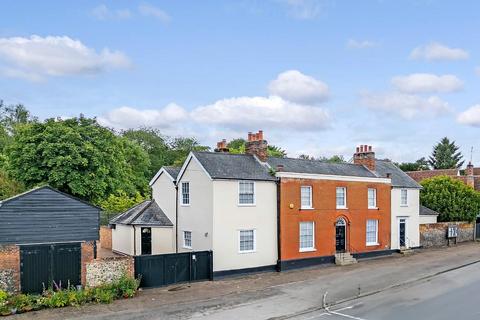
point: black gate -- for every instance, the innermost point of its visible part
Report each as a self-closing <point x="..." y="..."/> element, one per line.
<point x="41" y="265"/>
<point x="164" y="269"/>
<point x="477" y="234"/>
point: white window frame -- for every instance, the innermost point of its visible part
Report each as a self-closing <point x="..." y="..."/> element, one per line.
<point x="309" y="249"/>
<point x="374" y="198"/>
<point x="191" y="239"/>
<point x="344" y="198"/>
<point x="371" y="243"/>
<point x="310" y="206"/>
<point x="254" y="194"/>
<point x="189" y="194"/>
<point x="254" y="241"/>
<point x="402" y="204"/>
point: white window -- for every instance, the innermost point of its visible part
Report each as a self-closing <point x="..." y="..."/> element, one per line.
<point x="187" y="239"/>
<point x="247" y="241"/>
<point x="307" y="236"/>
<point x="372" y="232"/>
<point x="306" y="197"/>
<point x="372" y="198"/>
<point x="341" y="198"/>
<point x="404" y="197"/>
<point x="185" y="193"/>
<point x="246" y="192"/>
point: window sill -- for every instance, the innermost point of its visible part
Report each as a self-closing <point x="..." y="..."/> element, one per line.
<point x="307" y="250"/>
<point x="372" y="208"/>
<point x="249" y="251"/>
<point x="246" y="204"/>
<point x="371" y="244"/>
<point x="404" y="205"/>
<point x="307" y="208"/>
<point x="184" y="205"/>
<point x="189" y="248"/>
<point x="342" y="208"/>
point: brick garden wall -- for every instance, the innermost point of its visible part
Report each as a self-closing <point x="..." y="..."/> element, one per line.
<point x="9" y="268"/>
<point x="106" y="237"/>
<point x="108" y="269"/>
<point x="435" y="234"/>
<point x="87" y="256"/>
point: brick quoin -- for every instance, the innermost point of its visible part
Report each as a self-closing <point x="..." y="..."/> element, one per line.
<point x="87" y="257"/>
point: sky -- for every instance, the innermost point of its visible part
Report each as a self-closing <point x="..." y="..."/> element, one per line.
<point x="319" y="77"/>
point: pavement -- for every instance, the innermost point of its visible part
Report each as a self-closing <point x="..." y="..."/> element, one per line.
<point x="359" y="291"/>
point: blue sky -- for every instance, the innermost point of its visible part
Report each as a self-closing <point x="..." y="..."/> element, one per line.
<point x="318" y="76"/>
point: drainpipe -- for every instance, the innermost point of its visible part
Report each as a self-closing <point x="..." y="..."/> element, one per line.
<point x="176" y="218"/>
<point x="134" y="241"/>
<point x="279" y="242"/>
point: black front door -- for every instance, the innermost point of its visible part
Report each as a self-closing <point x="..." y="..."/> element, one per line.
<point x="340" y="238"/>
<point x="146" y="241"/>
<point x="402" y="233"/>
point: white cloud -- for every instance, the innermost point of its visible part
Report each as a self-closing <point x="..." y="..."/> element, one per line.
<point x="407" y="106"/>
<point x="438" y="51"/>
<point x="470" y="117"/>
<point x="38" y="57"/>
<point x="360" y="44"/>
<point x="128" y="117"/>
<point x="297" y="87"/>
<point x="151" y="11"/>
<point x="303" y="9"/>
<point x="265" y="112"/>
<point x="427" y="83"/>
<point x="102" y="12"/>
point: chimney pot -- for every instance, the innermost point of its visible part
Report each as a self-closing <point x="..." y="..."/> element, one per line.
<point x="280" y="167"/>
<point x="369" y="148"/>
<point x="257" y="146"/>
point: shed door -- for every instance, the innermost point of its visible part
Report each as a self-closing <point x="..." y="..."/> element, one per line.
<point x="43" y="265"/>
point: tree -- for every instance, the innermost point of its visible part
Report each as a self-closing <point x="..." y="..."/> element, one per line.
<point x="454" y="200"/>
<point x="445" y="155"/>
<point x="10" y="117"/>
<point x="117" y="203"/>
<point x="332" y="159"/>
<point x="238" y="146"/>
<point x="77" y="156"/>
<point x="8" y="186"/>
<point x="420" y="164"/>
<point x="181" y="147"/>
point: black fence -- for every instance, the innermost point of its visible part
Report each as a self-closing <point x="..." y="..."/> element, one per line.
<point x="44" y="266"/>
<point x="165" y="269"/>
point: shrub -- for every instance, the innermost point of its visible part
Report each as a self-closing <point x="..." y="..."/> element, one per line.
<point x="127" y="286"/>
<point x="3" y="296"/>
<point x="22" y="303"/>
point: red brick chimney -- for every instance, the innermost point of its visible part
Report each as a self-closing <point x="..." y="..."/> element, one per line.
<point x="365" y="156"/>
<point x="469" y="174"/>
<point x="257" y="146"/>
<point x="222" y="146"/>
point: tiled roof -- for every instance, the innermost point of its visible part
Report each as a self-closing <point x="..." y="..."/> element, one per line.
<point x="320" y="167"/>
<point x="425" y="174"/>
<point x="146" y="213"/>
<point x="399" y="178"/>
<point x="233" y="166"/>
<point x="173" y="171"/>
<point x="424" y="211"/>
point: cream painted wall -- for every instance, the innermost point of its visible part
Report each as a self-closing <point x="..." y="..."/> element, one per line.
<point x="428" y="219"/>
<point x="163" y="192"/>
<point x="229" y="218"/>
<point x="161" y="239"/>
<point x="198" y="216"/>
<point x="411" y="213"/>
<point x="122" y="239"/>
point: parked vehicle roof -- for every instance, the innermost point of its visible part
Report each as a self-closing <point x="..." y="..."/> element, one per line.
<point x="145" y="213"/>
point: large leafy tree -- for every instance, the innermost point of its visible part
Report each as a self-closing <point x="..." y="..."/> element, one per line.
<point x="420" y="164"/>
<point x="77" y="156"/>
<point x="181" y="147"/>
<point x="238" y="146"/>
<point x="10" y="117"/>
<point x="454" y="200"/>
<point x="445" y="155"/>
<point x="332" y="159"/>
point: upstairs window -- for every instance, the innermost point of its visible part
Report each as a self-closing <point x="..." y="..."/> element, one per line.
<point x="341" y="198"/>
<point x="185" y="193"/>
<point x="372" y="198"/>
<point x="306" y="197"/>
<point x="404" y="197"/>
<point x="246" y="192"/>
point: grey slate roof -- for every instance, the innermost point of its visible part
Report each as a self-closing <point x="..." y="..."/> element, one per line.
<point x="146" y="213"/>
<point x="173" y="171"/>
<point x="399" y="178"/>
<point x="320" y="167"/>
<point x="424" y="211"/>
<point x="233" y="166"/>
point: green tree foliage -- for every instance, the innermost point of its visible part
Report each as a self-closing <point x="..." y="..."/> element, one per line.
<point x="10" y="117"/>
<point x="77" y="156"/>
<point x="454" y="200"/>
<point x="420" y="164"/>
<point x="118" y="203"/>
<point x="332" y="159"/>
<point x="181" y="147"/>
<point x="445" y="155"/>
<point x="8" y="186"/>
<point x="238" y="146"/>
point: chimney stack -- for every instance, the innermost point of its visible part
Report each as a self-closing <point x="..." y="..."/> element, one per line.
<point x="257" y="146"/>
<point x="365" y="156"/>
<point x="222" y="146"/>
<point x="469" y="174"/>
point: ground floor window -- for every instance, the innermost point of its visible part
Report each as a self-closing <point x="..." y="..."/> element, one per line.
<point x="307" y="236"/>
<point x="247" y="241"/>
<point x="187" y="239"/>
<point x="372" y="232"/>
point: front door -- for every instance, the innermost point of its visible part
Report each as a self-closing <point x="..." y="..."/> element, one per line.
<point x="340" y="238"/>
<point x="146" y="241"/>
<point x="402" y="230"/>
